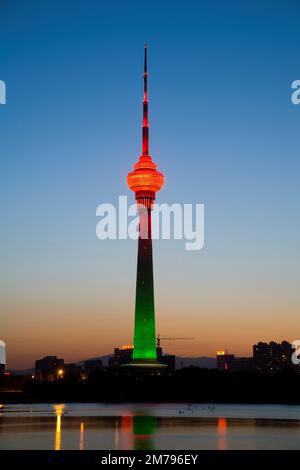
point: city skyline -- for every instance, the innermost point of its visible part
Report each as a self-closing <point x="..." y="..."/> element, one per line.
<point x="223" y="129"/>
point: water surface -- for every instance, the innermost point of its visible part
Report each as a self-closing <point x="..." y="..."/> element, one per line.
<point x="149" y="426"/>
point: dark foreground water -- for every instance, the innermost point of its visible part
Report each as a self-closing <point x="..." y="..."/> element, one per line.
<point x="149" y="426"/>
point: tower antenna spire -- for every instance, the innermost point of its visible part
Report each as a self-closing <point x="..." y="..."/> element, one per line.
<point x="145" y="127"/>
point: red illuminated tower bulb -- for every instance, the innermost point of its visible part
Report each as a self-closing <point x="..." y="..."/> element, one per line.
<point x="145" y="180"/>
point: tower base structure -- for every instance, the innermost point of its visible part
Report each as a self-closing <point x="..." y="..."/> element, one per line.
<point x="145" y="364"/>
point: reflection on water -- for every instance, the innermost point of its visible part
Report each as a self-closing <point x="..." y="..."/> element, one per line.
<point x="222" y="434"/>
<point x="81" y="439"/>
<point x="59" y="409"/>
<point x="123" y="432"/>
<point x="134" y="432"/>
<point x="143" y="429"/>
<point x="121" y="427"/>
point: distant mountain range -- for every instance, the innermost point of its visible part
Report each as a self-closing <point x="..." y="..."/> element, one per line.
<point x="201" y="361"/>
<point x="22" y="371"/>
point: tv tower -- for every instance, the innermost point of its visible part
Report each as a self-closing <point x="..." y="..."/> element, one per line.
<point x="145" y="181"/>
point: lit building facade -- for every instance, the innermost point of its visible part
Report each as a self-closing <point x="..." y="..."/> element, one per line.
<point x="224" y="360"/>
<point x="232" y="363"/>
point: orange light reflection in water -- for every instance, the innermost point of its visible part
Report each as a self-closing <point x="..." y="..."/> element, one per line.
<point x="127" y="432"/>
<point x="222" y="433"/>
<point x="81" y="437"/>
<point x="58" y="411"/>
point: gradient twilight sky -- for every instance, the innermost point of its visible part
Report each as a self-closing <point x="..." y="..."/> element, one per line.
<point x="224" y="132"/>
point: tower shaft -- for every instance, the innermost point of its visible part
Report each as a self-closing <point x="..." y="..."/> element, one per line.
<point x="144" y="322"/>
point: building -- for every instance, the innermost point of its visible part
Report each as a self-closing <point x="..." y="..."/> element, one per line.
<point x="121" y="356"/>
<point x="232" y="363"/>
<point x="92" y="364"/>
<point x="272" y="357"/>
<point x="224" y="360"/>
<point x="49" y="368"/>
<point x="145" y="181"/>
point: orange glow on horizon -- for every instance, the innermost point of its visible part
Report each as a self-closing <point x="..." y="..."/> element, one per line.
<point x="82" y="340"/>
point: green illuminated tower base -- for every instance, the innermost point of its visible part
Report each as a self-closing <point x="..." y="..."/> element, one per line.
<point x="144" y="352"/>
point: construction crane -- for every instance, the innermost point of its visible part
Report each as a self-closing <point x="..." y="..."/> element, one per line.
<point x="159" y="339"/>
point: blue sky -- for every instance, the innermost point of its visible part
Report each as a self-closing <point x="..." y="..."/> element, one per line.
<point x="223" y="131"/>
